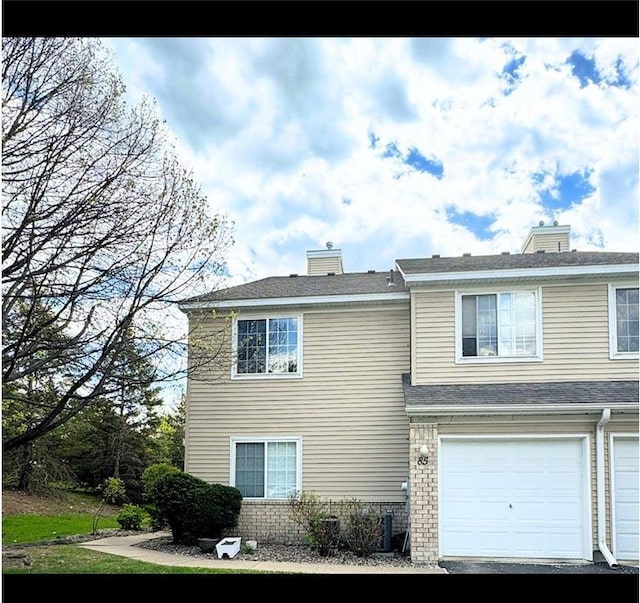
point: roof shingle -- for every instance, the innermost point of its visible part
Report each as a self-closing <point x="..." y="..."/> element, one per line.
<point x="541" y="393"/>
<point x="305" y="286"/>
<point x="277" y="287"/>
<point x="515" y="261"/>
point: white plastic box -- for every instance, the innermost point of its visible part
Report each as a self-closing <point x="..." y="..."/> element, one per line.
<point x="228" y="547"/>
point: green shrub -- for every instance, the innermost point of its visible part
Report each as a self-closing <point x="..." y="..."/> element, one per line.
<point x="112" y="491"/>
<point x="156" y="516"/>
<point x="130" y="517"/>
<point x="324" y="534"/>
<point x="322" y="529"/>
<point x="194" y="508"/>
<point x="152" y="474"/>
<point x="363" y="530"/>
<point x="150" y="477"/>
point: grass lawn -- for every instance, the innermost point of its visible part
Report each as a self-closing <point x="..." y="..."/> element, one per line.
<point x="18" y="529"/>
<point x="32" y="541"/>
<point x="71" y="559"/>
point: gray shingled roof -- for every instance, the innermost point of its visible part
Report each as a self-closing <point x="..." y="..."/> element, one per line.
<point x="515" y="261"/>
<point x="495" y="394"/>
<point x="304" y="286"/>
<point x="275" y="287"/>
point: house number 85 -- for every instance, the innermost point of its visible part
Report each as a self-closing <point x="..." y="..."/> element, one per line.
<point x="423" y="460"/>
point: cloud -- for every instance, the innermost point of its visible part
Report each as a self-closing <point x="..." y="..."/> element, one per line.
<point x="400" y="147"/>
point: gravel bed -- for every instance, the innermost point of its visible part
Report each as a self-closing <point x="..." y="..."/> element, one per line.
<point x="282" y="552"/>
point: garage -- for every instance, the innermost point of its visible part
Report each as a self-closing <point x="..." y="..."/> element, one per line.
<point x="514" y="497"/>
<point x="625" y="497"/>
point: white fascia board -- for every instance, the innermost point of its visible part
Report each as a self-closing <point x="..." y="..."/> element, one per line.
<point x="324" y="253"/>
<point x="516" y="409"/>
<point x="401" y="271"/>
<point x="520" y="273"/>
<point x="296" y="301"/>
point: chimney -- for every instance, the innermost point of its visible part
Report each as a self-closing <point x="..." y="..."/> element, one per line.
<point x="547" y="238"/>
<point x="324" y="261"/>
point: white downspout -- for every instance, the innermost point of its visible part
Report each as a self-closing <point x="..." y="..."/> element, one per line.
<point x="600" y="489"/>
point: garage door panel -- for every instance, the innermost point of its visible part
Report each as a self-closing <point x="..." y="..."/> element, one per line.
<point x="628" y="490"/>
<point x="514" y="499"/>
<point x="470" y="540"/>
<point x="531" y="542"/>
<point x="626" y="545"/>
<point x="625" y="496"/>
<point x="540" y="541"/>
<point x="564" y="483"/>
<point x="568" y="513"/>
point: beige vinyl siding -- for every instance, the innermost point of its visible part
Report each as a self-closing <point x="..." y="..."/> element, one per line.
<point x="549" y="242"/>
<point x="434" y="341"/>
<point x="348" y="407"/>
<point x="575" y="342"/>
<point x="321" y="266"/>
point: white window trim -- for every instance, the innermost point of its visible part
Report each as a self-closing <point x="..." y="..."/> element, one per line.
<point x="258" y="376"/>
<point x="460" y="359"/>
<point x="613" y="323"/>
<point x="265" y="439"/>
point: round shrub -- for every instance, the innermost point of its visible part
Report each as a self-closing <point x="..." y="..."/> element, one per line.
<point x="150" y="477"/>
<point x="152" y="474"/>
<point x="130" y="517"/>
<point x="194" y="508"/>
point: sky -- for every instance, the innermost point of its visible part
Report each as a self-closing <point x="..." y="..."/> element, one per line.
<point x="398" y="147"/>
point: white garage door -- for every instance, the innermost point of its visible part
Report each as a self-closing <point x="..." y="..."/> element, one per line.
<point x="514" y="498"/>
<point x="625" y="498"/>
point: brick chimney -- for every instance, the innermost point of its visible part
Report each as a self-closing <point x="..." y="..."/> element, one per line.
<point x="324" y="261"/>
<point x="547" y="238"/>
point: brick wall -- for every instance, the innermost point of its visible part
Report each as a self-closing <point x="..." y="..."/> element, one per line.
<point x="269" y="521"/>
<point x="423" y="492"/>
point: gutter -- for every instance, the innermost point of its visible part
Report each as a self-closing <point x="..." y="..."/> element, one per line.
<point x="600" y="490"/>
<point x="304" y="300"/>
<point x="510" y="273"/>
<point x="520" y="409"/>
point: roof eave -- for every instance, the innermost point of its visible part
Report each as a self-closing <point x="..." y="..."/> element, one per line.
<point x="519" y="409"/>
<point x="310" y="300"/>
<point x="620" y="270"/>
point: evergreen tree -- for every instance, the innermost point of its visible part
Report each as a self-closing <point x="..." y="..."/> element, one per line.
<point x="115" y="437"/>
<point x="169" y="437"/>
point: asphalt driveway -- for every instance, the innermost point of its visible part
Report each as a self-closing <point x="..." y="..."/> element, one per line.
<point x="495" y="567"/>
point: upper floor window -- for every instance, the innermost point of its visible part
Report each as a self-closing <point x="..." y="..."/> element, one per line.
<point x="623" y="321"/>
<point x="268" y="346"/>
<point x="501" y="325"/>
<point x="266" y="467"/>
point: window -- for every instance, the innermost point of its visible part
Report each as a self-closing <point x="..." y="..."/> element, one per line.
<point x="266" y="468"/>
<point x="499" y="325"/>
<point x="268" y="346"/>
<point x="623" y="317"/>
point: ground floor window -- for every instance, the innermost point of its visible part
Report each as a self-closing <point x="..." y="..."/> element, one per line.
<point x="266" y="467"/>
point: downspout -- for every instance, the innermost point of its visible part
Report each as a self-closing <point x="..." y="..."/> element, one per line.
<point x="600" y="489"/>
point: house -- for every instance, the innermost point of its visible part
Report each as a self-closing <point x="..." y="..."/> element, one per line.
<point x="488" y="403"/>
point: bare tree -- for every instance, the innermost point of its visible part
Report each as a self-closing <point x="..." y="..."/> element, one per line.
<point x="103" y="232"/>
